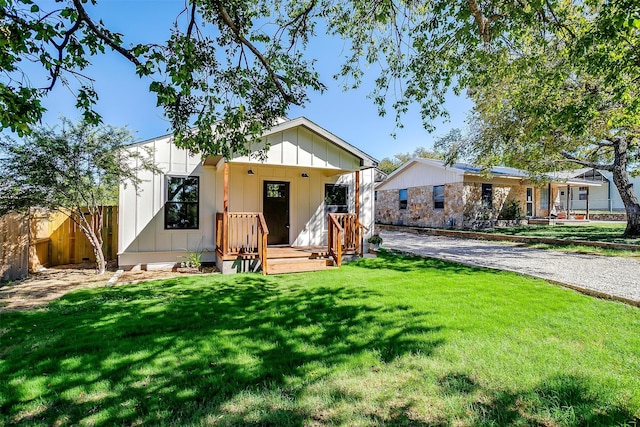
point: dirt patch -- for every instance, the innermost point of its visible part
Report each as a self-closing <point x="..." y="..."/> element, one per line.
<point x="47" y="285"/>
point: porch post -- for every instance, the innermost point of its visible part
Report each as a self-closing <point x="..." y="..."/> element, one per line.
<point x="587" y="217"/>
<point x="568" y="200"/>
<point x="225" y="209"/>
<point x="549" y="198"/>
<point x="359" y="249"/>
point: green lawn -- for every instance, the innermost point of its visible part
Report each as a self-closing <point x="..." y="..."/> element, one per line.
<point x="602" y="232"/>
<point x="386" y="341"/>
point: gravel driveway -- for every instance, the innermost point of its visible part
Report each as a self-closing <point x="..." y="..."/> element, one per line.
<point x="615" y="276"/>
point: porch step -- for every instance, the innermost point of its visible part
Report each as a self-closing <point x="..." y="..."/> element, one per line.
<point x="297" y="265"/>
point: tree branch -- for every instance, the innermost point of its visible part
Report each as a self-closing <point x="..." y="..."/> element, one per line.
<point x="265" y="63"/>
<point x="481" y="21"/>
<point x="588" y="164"/>
<point x="83" y="16"/>
<point x="192" y="19"/>
<point x="60" y="48"/>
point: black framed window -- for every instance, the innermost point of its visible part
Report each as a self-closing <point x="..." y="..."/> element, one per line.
<point x="487" y="196"/>
<point x="181" y="210"/>
<point x="403" y="196"/>
<point x="438" y="197"/>
<point x="335" y="198"/>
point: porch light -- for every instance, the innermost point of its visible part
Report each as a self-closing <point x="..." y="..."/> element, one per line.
<point x="250" y="171"/>
<point x="305" y="174"/>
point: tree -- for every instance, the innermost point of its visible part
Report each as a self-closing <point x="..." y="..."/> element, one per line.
<point x="388" y="165"/>
<point x="232" y="68"/>
<point x="226" y="70"/>
<point x="75" y="170"/>
<point x="570" y="98"/>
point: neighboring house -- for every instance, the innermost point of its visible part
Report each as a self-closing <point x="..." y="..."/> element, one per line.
<point x="225" y="208"/>
<point x="427" y="193"/>
<point x="603" y="198"/>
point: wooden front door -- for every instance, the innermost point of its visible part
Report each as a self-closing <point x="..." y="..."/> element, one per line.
<point x="275" y="207"/>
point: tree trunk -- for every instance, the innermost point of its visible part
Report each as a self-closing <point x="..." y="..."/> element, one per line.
<point x="101" y="264"/>
<point x="625" y="188"/>
<point x="94" y="235"/>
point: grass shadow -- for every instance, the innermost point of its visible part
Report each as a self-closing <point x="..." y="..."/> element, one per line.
<point x="150" y="352"/>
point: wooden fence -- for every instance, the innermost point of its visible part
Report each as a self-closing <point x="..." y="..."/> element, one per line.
<point x="14" y="246"/>
<point x="50" y="239"/>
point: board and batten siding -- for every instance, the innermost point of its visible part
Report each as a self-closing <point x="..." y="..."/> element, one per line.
<point x="143" y="238"/>
<point x="420" y="175"/>
<point x="303" y="148"/>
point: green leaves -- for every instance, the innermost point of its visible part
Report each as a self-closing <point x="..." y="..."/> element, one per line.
<point x="72" y="167"/>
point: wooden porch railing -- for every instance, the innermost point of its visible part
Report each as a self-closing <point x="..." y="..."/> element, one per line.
<point x="335" y="239"/>
<point x="344" y="235"/>
<point x="242" y="233"/>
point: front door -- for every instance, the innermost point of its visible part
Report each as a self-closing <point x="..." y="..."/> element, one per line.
<point x="275" y="207"/>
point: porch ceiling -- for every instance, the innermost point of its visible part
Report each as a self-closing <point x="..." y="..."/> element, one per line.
<point x="323" y="170"/>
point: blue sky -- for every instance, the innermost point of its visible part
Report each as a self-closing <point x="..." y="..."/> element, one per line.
<point x="125" y="100"/>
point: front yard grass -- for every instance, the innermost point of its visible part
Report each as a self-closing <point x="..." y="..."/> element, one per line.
<point x="387" y="341"/>
<point x="600" y="232"/>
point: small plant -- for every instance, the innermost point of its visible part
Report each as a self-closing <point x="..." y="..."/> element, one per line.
<point x="375" y="239"/>
<point x="192" y="259"/>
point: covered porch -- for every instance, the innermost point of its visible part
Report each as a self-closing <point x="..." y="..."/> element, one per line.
<point x="304" y="219"/>
<point x="242" y="245"/>
<point x="563" y="199"/>
<point x="305" y="203"/>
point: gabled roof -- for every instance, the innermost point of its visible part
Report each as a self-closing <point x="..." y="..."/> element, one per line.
<point x="463" y="169"/>
<point x="366" y="161"/>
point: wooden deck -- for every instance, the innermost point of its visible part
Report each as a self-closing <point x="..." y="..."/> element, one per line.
<point x="297" y="259"/>
<point x="297" y="252"/>
<point x="293" y="259"/>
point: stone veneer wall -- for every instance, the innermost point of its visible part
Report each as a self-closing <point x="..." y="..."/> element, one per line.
<point x="462" y="205"/>
<point x="608" y="217"/>
<point x="475" y="216"/>
<point x="420" y="211"/>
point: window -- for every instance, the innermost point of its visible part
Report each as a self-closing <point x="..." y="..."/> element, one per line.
<point x="375" y="196"/>
<point x="438" y="197"/>
<point x="583" y="193"/>
<point x="276" y="190"/>
<point x="335" y="198"/>
<point x="529" y="204"/>
<point x="487" y="196"/>
<point x="181" y="208"/>
<point x="544" y="198"/>
<point x="403" y="196"/>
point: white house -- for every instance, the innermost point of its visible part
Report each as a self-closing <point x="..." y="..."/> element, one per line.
<point x="603" y="198"/>
<point x="312" y="198"/>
